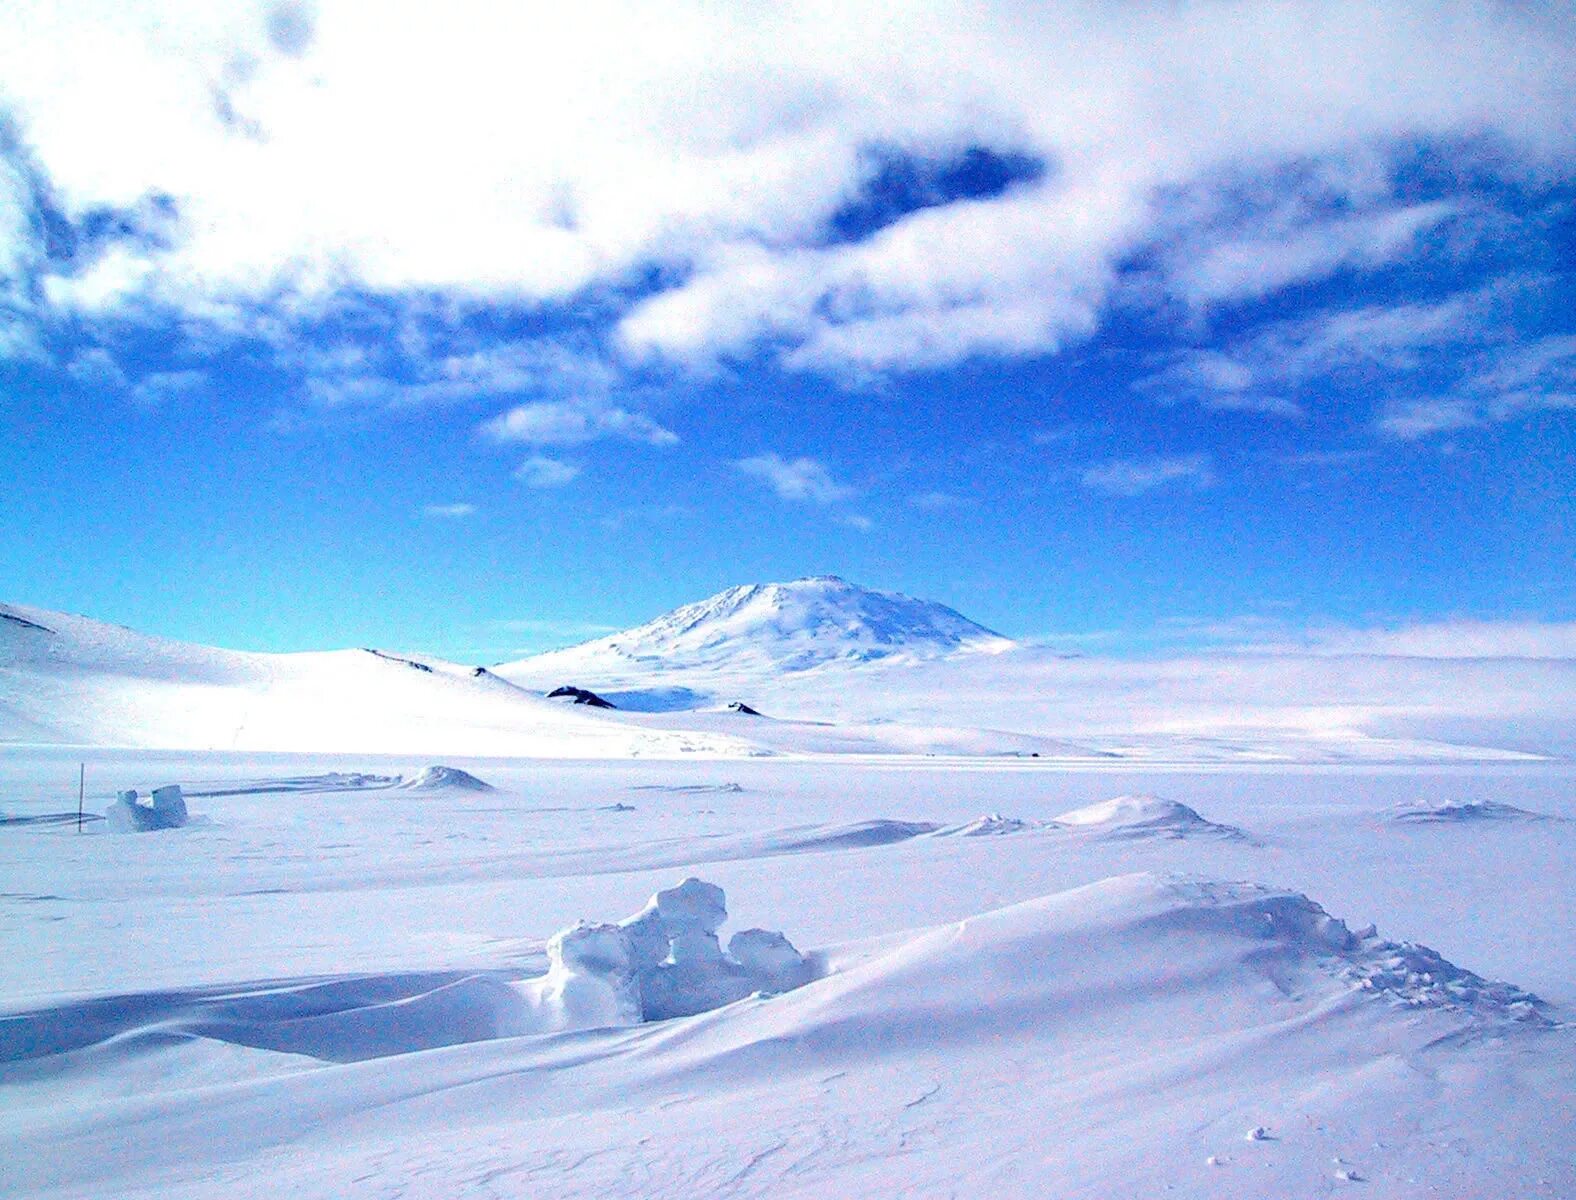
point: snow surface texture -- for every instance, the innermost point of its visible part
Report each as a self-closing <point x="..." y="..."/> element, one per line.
<point x="322" y="993"/>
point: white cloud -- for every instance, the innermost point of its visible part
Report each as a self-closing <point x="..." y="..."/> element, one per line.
<point x="573" y="423"/>
<point x="409" y="371"/>
<point x="1452" y="638"/>
<point x="163" y="387"/>
<point x="96" y="368"/>
<point x="1246" y="268"/>
<point x="858" y="521"/>
<point x="796" y="479"/>
<point x="1282" y="367"/>
<point x="1508" y="382"/>
<point x="1412" y="419"/>
<point x="19" y="340"/>
<point x="1135" y="476"/>
<point x="939" y="501"/>
<point x="453" y="512"/>
<point x="539" y="471"/>
<point x="551" y="155"/>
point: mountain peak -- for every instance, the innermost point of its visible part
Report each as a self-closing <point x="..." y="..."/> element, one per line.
<point x="790" y="626"/>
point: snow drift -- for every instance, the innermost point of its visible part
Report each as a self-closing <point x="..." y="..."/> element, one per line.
<point x="1137" y="817"/>
<point x="437" y="777"/>
<point x="1245" y="1016"/>
<point x="665" y="961"/>
<point x="1455" y="812"/>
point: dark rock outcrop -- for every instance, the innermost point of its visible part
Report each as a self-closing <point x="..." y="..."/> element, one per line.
<point x="579" y="696"/>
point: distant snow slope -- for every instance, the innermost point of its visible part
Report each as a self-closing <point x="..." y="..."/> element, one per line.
<point x="780" y="627"/>
<point x="835" y="668"/>
<point x="68" y="679"/>
<point x="844" y="669"/>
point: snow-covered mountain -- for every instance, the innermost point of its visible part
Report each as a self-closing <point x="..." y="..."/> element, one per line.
<point x="71" y="680"/>
<point x="834" y="669"/>
<point x="776" y="627"/>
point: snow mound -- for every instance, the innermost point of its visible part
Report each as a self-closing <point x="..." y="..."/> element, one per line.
<point x="665" y="961"/>
<point x="1450" y="812"/>
<point x="1134" y="817"/>
<point x="435" y="778"/>
<point x="990" y="825"/>
<point x="166" y="809"/>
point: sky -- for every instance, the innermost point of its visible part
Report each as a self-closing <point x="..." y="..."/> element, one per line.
<point x="479" y="329"/>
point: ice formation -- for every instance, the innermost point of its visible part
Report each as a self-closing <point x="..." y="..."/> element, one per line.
<point x="167" y="810"/>
<point x="665" y="961"/>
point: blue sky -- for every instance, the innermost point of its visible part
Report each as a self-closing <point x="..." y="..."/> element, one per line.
<point x="1135" y="328"/>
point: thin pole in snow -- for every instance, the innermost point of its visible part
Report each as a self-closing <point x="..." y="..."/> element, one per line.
<point x="82" y="783"/>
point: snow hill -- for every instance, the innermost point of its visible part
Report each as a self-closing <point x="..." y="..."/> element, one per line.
<point x="771" y="627"/>
<point x="834" y="668"/>
<point x="71" y="680"/>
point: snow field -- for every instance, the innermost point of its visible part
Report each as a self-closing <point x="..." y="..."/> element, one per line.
<point x="340" y="987"/>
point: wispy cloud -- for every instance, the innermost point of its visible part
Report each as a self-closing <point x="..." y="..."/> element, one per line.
<point x="539" y="471"/>
<point x="1412" y="419"/>
<point x="1459" y="637"/>
<point x="796" y="478"/>
<point x="453" y="512"/>
<point x="1506" y="383"/>
<point x="939" y="501"/>
<point x="417" y="362"/>
<point x="1289" y="248"/>
<point x="97" y="369"/>
<point x="573" y="423"/>
<point x="163" y="387"/>
<point x="1270" y="369"/>
<point x="1135" y="476"/>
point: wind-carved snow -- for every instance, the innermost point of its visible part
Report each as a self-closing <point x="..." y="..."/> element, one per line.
<point x="989" y="825"/>
<point x="1137" y="817"/>
<point x="1405" y="974"/>
<point x="1453" y="812"/>
<point x="665" y="961"/>
<point x="790" y="627"/>
<point x="166" y="809"/>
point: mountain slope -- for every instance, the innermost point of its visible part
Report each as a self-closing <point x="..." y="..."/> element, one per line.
<point x="771" y="627"/>
<point x="72" y="680"/>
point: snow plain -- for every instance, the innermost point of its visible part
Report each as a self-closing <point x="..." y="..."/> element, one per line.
<point x="1221" y="938"/>
<point x="300" y="989"/>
